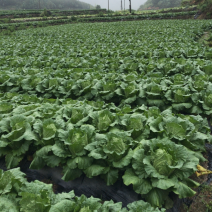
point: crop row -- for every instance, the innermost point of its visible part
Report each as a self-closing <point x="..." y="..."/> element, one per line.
<point x="96" y="19"/>
<point x="139" y="123"/>
<point x="140" y="17"/>
<point x="105" y="18"/>
<point x="168" y="63"/>
<point x="19" y="195"/>
<point x="30" y="13"/>
<point x="85" y="139"/>
<point x="191" y="94"/>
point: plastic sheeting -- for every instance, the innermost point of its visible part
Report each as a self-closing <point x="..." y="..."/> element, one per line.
<point x="96" y="186"/>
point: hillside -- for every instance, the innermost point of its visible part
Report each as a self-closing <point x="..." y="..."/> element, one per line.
<point x="160" y="4"/>
<point x="204" y="6"/>
<point x="48" y="4"/>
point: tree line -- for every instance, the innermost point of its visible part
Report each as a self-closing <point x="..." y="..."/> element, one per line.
<point x="160" y="4"/>
<point x="41" y="4"/>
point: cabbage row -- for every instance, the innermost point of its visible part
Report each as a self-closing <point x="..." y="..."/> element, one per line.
<point x="100" y="142"/>
<point x="16" y="194"/>
<point x="191" y="94"/>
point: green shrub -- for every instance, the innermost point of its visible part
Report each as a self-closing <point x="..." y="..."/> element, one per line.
<point x="7" y="20"/>
<point x="74" y="18"/>
<point x="210" y="37"/>
<point x="117" y="13"/>
<point x="45" y="13"/>
<point x="101" y="14"/>
<point x="98" y="7"/>
<point x="203" y="6"/>
<point x="11" y="28"/>
<point x="22" y="26"/>
<point x="6" y="32"/>
<point x="30" y="27"/>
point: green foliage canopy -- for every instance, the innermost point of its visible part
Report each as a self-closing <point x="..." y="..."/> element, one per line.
<point x="160" y="4"/>
<point x="48" y="4"/>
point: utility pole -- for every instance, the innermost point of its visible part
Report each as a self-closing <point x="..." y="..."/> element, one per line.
<point x="121" y="6"/>
<point x="39" y="4"/>
<point x="124" y="5"/>
<point x="108" y="7"/>
<point x="130" y="5"/>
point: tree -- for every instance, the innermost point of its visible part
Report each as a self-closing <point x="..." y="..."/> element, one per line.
<point x="98" y="7"/>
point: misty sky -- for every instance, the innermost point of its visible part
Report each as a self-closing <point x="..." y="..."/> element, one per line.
<point x="116" y="4"/>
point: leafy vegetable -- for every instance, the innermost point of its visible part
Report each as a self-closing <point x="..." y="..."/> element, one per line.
<point x="158" y="167"/>
<point x="16" y="194"/>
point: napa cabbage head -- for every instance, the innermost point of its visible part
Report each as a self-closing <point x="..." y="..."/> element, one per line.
<point x="86" y="83"/>
<point x="199" y="85"/>
<point x="77" y="138"/>
<point x="68" y="85"/>
<point x="161" y="160"/>
<point x="135" y="123"/>
<point x="17" y="127"/>
<point x="178" y="79"/>
<point x="154" y="89"/>
<point x="199" y="82"/>
<point x="5" y="107"/>
<point x="208" y="99"/>
<point x="131" y="77"/>
<point x="181" y="95"/>
<point x="130" y="89"/>
<point x="118" y="144"/>
<point x="103" y="120"/>
<point x="77" y="115"/>
<point x="158" y="167"/>
<point x="152" y="112"/>
<point x="109" y="86"/>
<point x="115" y="147"/>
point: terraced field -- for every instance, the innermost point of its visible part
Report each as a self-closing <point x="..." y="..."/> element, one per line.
<point x="124" y="101"/>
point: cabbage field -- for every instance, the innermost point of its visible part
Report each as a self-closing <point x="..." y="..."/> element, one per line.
<point x="125" y="101"/>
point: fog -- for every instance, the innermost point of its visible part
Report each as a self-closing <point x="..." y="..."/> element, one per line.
<point x="115" y="4"/>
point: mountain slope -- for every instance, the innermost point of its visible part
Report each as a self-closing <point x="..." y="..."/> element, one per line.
<point x="204" y="7"/>
<point x="48" y="4"/>
<point x="160" y="4"/>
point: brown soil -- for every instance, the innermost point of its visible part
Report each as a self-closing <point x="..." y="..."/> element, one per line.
<point x="54" y="186"/>
<point x="202" y="200"/>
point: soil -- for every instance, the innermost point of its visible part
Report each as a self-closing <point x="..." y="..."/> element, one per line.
<point x="203" y="198"/>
